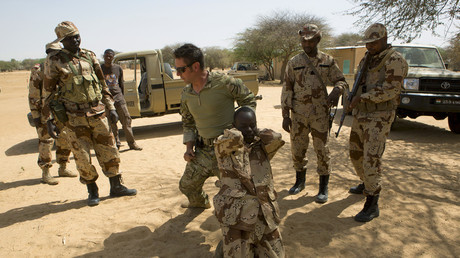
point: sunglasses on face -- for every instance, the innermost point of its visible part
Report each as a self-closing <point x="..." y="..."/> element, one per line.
<point x="181" y="69"/>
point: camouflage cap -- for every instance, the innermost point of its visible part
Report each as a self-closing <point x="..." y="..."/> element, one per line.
<point x="53" y="45"/>
<point x="309" y="31"/>
<point x="375" y="32"/>
<point x="65" y="29"/>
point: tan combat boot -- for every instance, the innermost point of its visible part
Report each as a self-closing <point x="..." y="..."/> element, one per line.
<point x="64" y="172"/>
<point x="47" y="178"/>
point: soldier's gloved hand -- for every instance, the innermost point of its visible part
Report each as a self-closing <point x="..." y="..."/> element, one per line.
<point x="113" y="116"/>
<point x="52" y="129"/>
<point x="287" y="124"/>
<point x="333" y="98"/>
<point x="37" y="122"/>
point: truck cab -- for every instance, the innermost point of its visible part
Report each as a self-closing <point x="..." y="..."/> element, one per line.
<point x="150" y="88"/>
<point x="429" y="88"/>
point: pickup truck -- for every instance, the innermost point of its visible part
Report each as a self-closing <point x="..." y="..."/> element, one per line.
<point x="247" y="67"/>
<point x="150" y="88"/>
<point x="429" y="88"/>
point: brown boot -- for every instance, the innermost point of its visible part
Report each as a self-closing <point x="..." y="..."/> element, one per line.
<point x="64" y="172"/>
<point x="187" y="205"/>
<point x="134" y="146"/>
<point x="47" y="178"/>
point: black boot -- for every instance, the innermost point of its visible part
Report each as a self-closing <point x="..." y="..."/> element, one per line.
<point x="321" y="197"/>
<point x="357" y="189"/>
<point x="117" y="189"/>
<point x="370" y="210"/>
<point x="93" y="197"/>
<point x="299" y="182"/>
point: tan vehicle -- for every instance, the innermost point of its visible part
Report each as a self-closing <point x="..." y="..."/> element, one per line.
<point x="429" y="88"/>
<point x="247" y="67"/>
<point x="150" y="88"/>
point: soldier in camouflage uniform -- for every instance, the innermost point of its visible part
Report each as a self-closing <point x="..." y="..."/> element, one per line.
<point x="306" y="106"/>
<point x="75" y="84"/>
<point x="246" y="204"/>
<point x="207" y="108"/>
<point x="45" y="142"/>
<point x="373" y="112"/>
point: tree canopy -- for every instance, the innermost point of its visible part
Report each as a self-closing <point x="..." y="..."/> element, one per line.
<point x="406" y="19"/>
<point x="275" y="36"/>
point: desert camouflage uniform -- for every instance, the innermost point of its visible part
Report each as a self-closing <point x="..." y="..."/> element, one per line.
<point x="246" y="204"/>
<point x="305" y="97"/>
<point x="373" y="116"/>
<point x="45" y="142"/>
<point x="204" y="118"/>
<point x="88" y="125"/>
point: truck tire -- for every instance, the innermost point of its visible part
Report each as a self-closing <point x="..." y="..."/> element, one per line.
<point x="454" y="122"/>
<point x="393" y="123"/>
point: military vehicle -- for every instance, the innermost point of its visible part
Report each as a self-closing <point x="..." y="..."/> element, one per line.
<point x="150" y="88"/>
<point x="429" y="88"/>
<point x="247" y="67"/>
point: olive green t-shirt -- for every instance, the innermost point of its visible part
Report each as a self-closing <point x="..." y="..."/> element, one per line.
<point x="209" y="112"/>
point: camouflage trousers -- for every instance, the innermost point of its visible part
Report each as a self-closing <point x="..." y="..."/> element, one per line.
<point x="240" y="243"/>
<point x="367" y="144"/>
<point x="93" y="132"/>
<point x="203" y="166"/>
<point x="125" y="120"/>
<point x="300" y="130"/>
<point x="45" y="145"/>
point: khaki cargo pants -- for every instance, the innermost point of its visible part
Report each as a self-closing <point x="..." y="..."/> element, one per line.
<point x="45" y="145"/>
<point x="367" y="144"/>
<point x="301" y="128"/>
<point x="93" y="132"/>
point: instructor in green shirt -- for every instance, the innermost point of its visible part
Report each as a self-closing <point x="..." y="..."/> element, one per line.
<point x="207" y="107"/>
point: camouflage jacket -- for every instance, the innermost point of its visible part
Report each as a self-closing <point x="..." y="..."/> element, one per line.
<point x="58" y="68"/>
<point x="383" y="83"/>
<point x="35" y="91"/>
<point x="246" y="189"/>
<point x="209" y="112"/>
<point x="303" y="92"/>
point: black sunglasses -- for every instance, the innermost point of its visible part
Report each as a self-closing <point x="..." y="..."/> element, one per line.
<point x="181" y="69"/>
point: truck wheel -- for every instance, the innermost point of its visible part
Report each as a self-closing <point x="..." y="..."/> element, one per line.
<point x="393" y="123"/>
<point x="454" y="122"/>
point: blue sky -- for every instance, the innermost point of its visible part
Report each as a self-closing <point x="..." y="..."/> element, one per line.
<point x="129" y="25"/>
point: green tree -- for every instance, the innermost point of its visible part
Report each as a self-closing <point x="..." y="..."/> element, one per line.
<point x="253" y="45"/>
<point x="275" y="36"/>
<point x="168" y="53"/>
<point x="215" y="57"/>
<point x="452" y="53"/>
<point x="406" y="19"/>
<point x="347" y="39"/>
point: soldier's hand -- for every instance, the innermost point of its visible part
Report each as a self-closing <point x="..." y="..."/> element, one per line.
<point x="37" y="122"/>
<point x="287" y="124"/>
<point x="354" y="102"/>
<point x="189" y="155"/>
<point x="113" y="116"/>
<point x="52" y="129"/>
<point x="333" y="98"/>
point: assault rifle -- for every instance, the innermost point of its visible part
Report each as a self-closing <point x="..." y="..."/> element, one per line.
<point x="356" y="84"/>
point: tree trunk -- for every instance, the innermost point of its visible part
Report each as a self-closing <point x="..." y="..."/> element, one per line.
<point x="283" y="69"/>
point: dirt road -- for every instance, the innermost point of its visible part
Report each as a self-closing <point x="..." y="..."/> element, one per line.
<point x="420" y="214"/>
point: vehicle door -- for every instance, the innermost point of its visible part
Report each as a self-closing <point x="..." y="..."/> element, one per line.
<point x="131" y="78"/>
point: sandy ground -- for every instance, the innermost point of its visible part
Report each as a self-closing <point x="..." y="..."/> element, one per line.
<point x="420" y="214"/>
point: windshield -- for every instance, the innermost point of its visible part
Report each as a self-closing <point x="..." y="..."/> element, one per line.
<point x="421" y="57"/>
